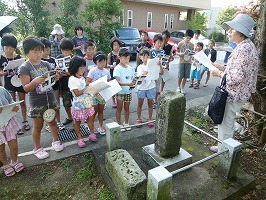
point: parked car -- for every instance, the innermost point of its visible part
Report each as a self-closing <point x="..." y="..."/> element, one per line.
<point x="130" y="38"/>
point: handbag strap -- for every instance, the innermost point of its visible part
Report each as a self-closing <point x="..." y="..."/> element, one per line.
<point x="223" y="82"/>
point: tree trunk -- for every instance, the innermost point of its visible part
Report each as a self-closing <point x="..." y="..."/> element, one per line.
<point x="260" y="97"/>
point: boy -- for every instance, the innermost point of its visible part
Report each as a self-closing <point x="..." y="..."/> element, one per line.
<point x="66" y="47"/>
<point x="184" y="61"/>
<point x="212" y="54"/>
<point x="90" y="50"/>
<point x="144" y="43"/>
<point x="124" y="75"/>
<point x="51" y="61"/>
<point x="154" y="52"/>
<point x="195" y="68"/>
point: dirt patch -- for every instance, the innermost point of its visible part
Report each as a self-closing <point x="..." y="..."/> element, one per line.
<point x="71" y="178"/>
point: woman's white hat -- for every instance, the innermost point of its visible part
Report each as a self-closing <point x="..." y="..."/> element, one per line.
<point x="243" y="23"/>
<point x="57" y="30"/>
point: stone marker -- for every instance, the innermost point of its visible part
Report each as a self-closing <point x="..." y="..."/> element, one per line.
<point x="113" y="136"/>
<point x="169" y="123"/>
<point x="129" y="179"/>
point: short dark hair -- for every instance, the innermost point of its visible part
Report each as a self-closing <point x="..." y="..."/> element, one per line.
<point x="197" y="32"/>
<point x="66" y="44"/>
<point x="88" y="44"/>
<point x="145" y="32"/>
<point x="124" y="52"/>
<point x="78" y="27"/>
<point x="75" y="63"/>
<point x="144" y="51"/>
<point x="157" y="37"/>
<point x="5" y="30"/>
<point x="200" y="44"/>
<point x="32" y="43"/>
<point x="189" y="33"/>
<point x="99" y="56"/>
<point x="45" y="42"/>
<point x="113" y="40"/>
<point x="93" y="41"/>
<point x="9" y="40"/>
<point x="213" y="41"/>
<point x="167" y="33"/>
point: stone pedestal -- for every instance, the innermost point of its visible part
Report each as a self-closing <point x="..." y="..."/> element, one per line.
<point x="113" y="136"/>
<point x="169" y="123"/>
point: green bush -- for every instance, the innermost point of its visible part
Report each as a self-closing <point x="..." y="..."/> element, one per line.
<point x="217" y="36"/>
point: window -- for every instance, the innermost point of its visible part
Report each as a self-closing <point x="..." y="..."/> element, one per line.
<point x="129" y="18"/>
<point x="149" y="19"/>
<point x="171" y="21"/>
<point x="165" y="21"/>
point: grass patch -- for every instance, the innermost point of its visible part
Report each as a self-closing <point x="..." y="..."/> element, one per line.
<point x="106" y="194"/>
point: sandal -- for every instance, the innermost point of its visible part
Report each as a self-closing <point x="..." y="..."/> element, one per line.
<point x="26" y="125"/>
<point x="8" y="170"/>
<point x="20" y="132"/>
<point x="196" y="86"/>
<point x="101" y="131"/>
<point x="205" y="85"/>
<point x="191" y="85"/>
<point x="17" y="166"/>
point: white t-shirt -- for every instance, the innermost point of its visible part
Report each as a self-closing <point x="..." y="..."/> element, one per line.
<point x="146" y="84"/>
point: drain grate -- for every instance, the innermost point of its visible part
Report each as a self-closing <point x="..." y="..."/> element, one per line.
<point x="69" y="134"/>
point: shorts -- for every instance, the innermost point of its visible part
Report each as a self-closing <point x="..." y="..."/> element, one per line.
<point x="82" y="115"/>
<point x="67" y="98"/>
<point x="195" y="74"/>
<point x="203" y="68"/>
<point x="149" y="94"/>
<point x="98" y="99"/>
<point x="184" y="70"/>
<point x="9" y="132"/>
<point x="124" y="97"/>
<point x="37" y="111"/>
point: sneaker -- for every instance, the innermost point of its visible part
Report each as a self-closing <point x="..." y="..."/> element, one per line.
<point x="114" y="105"/>
<point x="93" y="138"/>
<point x="178" y="90"/>
<point x="122" y="128"/>
<point x="57" y="146"/>
<point x="67" y="121"/>
<point x="81" y="143"/>
<point x="41" y="153"/>
<point x="150" y="124"/>
<point x="138" y="122"/>
<point x="183" y="91"/>
<point x="47" y="128"/>
<point x="60" y="126"/>
<point x="154" y="105"/>
<point x="214" y="149"/>
<point x="127" y="127"/>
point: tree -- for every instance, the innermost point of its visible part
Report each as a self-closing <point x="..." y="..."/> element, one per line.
<point x="69" y="15"/>
<point x="225" y="15"/>
<point x="102" y="17"/>
<point x="3" y="8"/>
<point x="198" y="22"/>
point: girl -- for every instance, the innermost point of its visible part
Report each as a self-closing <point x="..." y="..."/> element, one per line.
<point x="8" y="135"/>
<point x="124" y="75"/>
<point x="43" y="104"/>
<point x="9" y="44"/>
<point x="112" y="60"/>
<point x="81" y="106"/>
<point x="97" y="101"/>
<point x="79" y="41"/>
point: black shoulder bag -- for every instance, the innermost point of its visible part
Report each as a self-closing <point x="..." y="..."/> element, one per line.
<point x="217" y="103"/>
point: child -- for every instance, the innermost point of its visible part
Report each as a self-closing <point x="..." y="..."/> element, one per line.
<point x="9" y="44"/>
<point x="124" y="75"/>
<point x="184" y="60"/>
<point x="81" y="107"/>
<point x="66" y="46"/>
<point x="147" y="89"/>
<point x="144" y="43"/>
<point x="212" y="54"/>
<point x="51" y="61"/>
<point x="42" y="104"/>
<point x="90" y="50"/>
<point x="112" y="60"/>
<point x="97" y="101"/>
<point x="195" y="68"/>
<point x="8" y="135"/>
<point x="154" y="52"/>
<point x="79" y="40"/>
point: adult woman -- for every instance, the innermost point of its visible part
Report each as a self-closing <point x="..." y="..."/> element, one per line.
<point x="55" y="38"/>
<point x="241" y="72"/>
<point x="79" y="40"/>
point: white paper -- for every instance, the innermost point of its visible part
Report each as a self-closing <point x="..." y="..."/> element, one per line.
<point x="97" y="86"/>
<point x="63" y="63"/>
<point x="203" y="59"/>
<point x="49" y="80"/>
<point x="13" y="64"/>
<point x="111" y="91"/>
<point x="153" y="69"/>
<point x="7" y="113"/>
<point x="166" y="75"/>
<point x="164" y="59"/>
<point x="227" y="49"/>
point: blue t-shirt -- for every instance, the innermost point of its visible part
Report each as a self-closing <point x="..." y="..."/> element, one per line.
<point x="96" y="73"/>
<point x="227" y="54"/>
<point x="125" y="74"/>
<point x="154" y="53"/>
<point x="79" y="42"/>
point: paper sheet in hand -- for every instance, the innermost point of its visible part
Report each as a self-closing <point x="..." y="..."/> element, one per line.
<point x="166" y="75"/>
<point x="153" y="69"/>
<point x="202" y="58"/>
<point x="63" y="63"/>
<point x="7" y="113"/>
<point x="97" y="86"/>
<point x="111" y="91"/>
<point x="13" y="64"/>
<point x="49" y="80"/>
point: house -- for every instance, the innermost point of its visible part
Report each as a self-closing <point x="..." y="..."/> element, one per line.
<point x="154" y="14"/>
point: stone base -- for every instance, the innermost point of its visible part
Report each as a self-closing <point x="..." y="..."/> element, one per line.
<point x="153" y="159"/>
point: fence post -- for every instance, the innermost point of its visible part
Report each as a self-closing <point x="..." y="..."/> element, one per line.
<point x="113" y="136"/>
